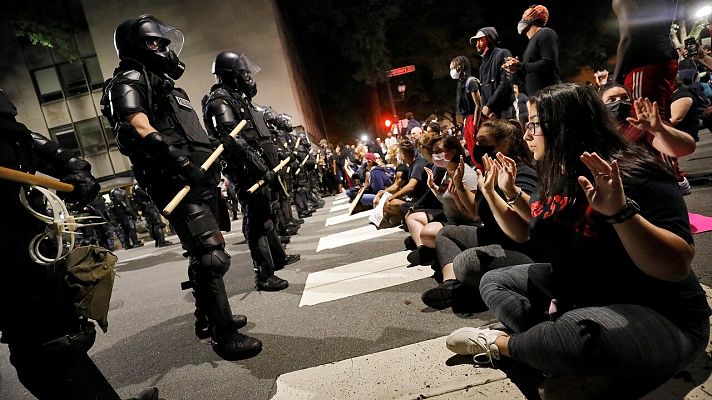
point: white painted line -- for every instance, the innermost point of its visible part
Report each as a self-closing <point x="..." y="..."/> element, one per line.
<point x="341" y="196"/>
<point x="360" y="277"/>
<point x="346" y="217"/>
<point x="353" y="236"/>
<point x="340" y="207"/>
<point x="416" y="371"/>
<point x="340" y="201"/>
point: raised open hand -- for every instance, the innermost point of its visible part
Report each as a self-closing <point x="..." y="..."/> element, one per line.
<point x="647" y="116"/>
<point x="605" y="194"/>
<point x="507" y="173"/>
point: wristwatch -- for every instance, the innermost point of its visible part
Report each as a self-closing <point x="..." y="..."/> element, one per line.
<point x="629" y="211"/>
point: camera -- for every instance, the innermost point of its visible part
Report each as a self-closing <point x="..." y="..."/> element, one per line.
<point x="691" y="47"/>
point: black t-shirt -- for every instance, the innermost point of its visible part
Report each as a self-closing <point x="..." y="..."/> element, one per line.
<point x="417" y="171"/>
<point x="591" y="266"/>
<point x="540" y="62"/>
<point x="691" y="123"/>
<point x="465" y="88"/>
<point x="490" y="232"/>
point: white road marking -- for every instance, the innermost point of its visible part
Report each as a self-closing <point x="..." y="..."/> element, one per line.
<point x="346" y="217"/>
<point x="340" y="207"/>
<point x="360" y="277"/>
<point x="341" y="201"/>
<point x="353" y="236"/>
<point x="410" y="372"/>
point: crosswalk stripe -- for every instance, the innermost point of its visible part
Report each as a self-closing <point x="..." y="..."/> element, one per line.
<point x="353" y="236"/>
<point x="340" y="201"/>
<point x="339" y="219"/>
<point x="414" y="371"/>
<point x="340" y="207"/>
<point x="360" y="277"/>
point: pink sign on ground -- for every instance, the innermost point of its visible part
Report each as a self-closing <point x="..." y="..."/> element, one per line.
<point x="700" y="223"/>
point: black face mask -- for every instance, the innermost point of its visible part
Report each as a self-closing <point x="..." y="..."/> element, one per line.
<point x="480" y="150"/>
<point x="620" y="110"/>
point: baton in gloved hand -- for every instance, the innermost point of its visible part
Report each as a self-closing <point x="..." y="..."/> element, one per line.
<point x="35" y="180"/>
<point x="206" y="165"/>
<point x="275" y="169"/>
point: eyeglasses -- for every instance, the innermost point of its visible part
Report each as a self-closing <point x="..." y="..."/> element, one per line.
<point x="530" y="127"/>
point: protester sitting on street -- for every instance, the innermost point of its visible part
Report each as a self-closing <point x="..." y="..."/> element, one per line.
<point x="428" y="208"/>
<point x="459" y="252"/>
<point x="614" y="230"/>
<point x="688" y="100"/>
<point x="456" y="194"/>
<point x="378" y="177"/>
<point x="412" y="190"/>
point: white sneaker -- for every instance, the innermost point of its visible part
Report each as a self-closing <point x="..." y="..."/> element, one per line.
<point x="478" y="342"/>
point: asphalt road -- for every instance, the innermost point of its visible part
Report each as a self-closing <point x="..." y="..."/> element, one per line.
<point x="150" y="340"/>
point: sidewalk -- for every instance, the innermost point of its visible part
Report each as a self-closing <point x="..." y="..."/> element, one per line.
<point x="698" y="165"/>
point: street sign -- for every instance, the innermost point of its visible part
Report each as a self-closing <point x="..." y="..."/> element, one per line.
<point x="401" y="71"/>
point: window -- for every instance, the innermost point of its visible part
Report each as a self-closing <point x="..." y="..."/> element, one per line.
<point x="91" y="136"/>
<point x="67" y="139"/>
<point x="109" y="132"/>
<point x="37" y="56"/>
<point x="48" y="86"/>
<point x="96" y="79"/>
<point x="73" y="81"/>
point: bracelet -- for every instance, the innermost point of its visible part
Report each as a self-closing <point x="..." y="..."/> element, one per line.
<point x="515" y="198"/>
<point x="630" y="210"/>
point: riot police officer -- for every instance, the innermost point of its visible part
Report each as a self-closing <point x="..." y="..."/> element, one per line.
<point x="228" y="102"/>
<point x="152" y="215"/>
<point x="126" y="216"/>
<point x="158" y="129"/>
<point x="48" y="339"/>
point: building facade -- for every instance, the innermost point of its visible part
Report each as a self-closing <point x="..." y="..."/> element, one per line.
<point x="59" y="98"/>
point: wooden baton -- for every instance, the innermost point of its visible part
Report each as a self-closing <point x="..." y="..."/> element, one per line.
<point x="275" y="169"/>
<point x="206" y="165"/>
<point x="36" y="180"/>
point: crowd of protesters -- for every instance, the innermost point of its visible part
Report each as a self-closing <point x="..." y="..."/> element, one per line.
<point x="559" y="207"/>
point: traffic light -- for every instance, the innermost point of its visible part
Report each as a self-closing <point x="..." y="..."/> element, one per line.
<point x="388" y="123"/>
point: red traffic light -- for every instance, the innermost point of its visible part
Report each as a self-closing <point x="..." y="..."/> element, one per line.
<point x="388" y="123"/>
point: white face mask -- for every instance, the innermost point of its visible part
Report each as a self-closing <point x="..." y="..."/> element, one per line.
<point x="454" y="74"/>
<point x="439" y="160"/>
<point x="521" y="27"/>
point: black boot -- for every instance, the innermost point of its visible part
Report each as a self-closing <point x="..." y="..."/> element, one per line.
<point x="232" y="345"/>
<point x="284" y="239"/>
<point x="271" y="284"/>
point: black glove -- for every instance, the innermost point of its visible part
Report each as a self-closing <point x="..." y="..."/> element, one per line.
<point x="230" y="145"/>
<point x="86" y="188"/>
<point x="192" y="174"/>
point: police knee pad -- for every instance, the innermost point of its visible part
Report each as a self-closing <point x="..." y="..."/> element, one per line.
<point x="214" y="264"/>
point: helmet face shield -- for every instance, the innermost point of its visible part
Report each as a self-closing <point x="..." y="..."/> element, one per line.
<point x="246" y="64"/>
<point x="175" y="37"/>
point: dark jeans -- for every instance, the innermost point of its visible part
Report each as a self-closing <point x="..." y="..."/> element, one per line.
<point x="619" y="341"/>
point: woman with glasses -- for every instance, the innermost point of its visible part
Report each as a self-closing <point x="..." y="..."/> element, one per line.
<point x="616" y="301"/>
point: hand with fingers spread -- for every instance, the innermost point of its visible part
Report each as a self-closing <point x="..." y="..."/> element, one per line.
<point x="507" y="174"/>
<point x="457" y="176"/>
<point x="431" y="179"/>
<point x="487" y="179"/>
<point x="605" y="194"/>
<point x="647" y="116"/>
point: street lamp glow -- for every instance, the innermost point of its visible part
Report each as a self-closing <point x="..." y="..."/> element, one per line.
<point x="364" y="138"/>
<point x="703" y="12"/>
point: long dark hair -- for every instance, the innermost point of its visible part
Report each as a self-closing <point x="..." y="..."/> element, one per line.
<point x="451" y="143"/>
<point x="511" y="132"/>
<point x="574" y="120"/>
<point x="463" y="62"/>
